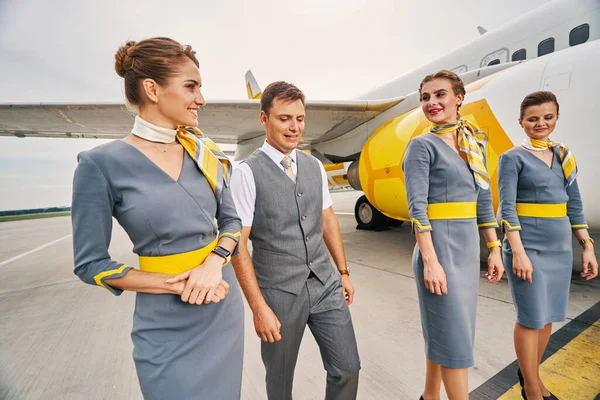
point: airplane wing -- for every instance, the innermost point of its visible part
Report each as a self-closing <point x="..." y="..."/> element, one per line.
<point x="224" y="121"/>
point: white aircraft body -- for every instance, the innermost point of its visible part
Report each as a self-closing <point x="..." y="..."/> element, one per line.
<point x="554" y="47"/>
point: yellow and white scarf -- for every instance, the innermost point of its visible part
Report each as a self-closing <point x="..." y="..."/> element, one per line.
<point x="472" y="142"/>
<point x="567" y="159"/>
<point x="211" y="160"/>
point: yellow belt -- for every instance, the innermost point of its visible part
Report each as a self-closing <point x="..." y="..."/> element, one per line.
<point x="454" y="210"/>
<point x="175" y="264"/>
<point x="542" y="210"/>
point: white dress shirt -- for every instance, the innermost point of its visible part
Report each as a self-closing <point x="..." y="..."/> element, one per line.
<point x="243" y="186"/>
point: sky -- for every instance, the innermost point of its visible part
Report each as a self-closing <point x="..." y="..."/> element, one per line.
<point x="63" y="51"/>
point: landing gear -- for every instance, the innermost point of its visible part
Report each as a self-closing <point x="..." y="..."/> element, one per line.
<point x="367" y="216"/>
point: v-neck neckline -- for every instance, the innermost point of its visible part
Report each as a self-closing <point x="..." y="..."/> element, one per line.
<point x="452" y="150"/>
<point x="550" y="167"/>
<point x="156" y="165"/>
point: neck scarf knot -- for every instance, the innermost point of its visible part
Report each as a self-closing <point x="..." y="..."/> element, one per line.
<point x="567" y="159"/>
<point x="213" y="163"/>
<point x="472" y="142"/>
<point x="211" y="160"/>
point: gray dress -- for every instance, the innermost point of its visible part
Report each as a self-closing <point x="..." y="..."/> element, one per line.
<point x="434" y="173"/>
<point x="524" y="178"/>
<point x="181" y="351"/>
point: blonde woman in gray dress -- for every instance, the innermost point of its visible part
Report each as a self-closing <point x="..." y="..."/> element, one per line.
<point x="540" y="206"/>
<point x="449" y="198"/>
<point x="166" y="185"/>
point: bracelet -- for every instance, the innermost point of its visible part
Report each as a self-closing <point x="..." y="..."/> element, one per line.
<point x="582" y="242"/>
<point x="495" y="243"/>
<point x="344" y="271"/>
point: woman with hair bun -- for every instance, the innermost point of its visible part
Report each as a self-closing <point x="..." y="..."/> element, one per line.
<point x="540" y="206"/>
<point x="167" y="186"/>
<point x="447" y="186"/>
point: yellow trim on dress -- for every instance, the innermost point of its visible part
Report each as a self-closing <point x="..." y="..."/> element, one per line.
<point x="580" y="226"/>
<point x="510" y="227"/>
<point x="231" y="235"/>
<point x="453" y="210"/>
<point x="421" y="227"/>
<point x="537" y="210"/>
<point x="98" y="278"/>
<point x="486" y="224"/>
<point x="176" y="264"/>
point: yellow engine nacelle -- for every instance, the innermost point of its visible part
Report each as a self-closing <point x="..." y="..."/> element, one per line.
<point x="380" y="166"/>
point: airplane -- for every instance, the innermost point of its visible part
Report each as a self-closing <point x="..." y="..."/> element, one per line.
<point x="554" y="47"/>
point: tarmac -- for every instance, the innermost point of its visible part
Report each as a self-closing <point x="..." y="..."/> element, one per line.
<point x="62" y="339"/>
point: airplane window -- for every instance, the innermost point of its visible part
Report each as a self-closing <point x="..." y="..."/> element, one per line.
<point x="546" y="47"/>
<point x="461" y="69"/>
<point x="579" y="35"/>
<point x="519" y="55"/>
<point x="496" y="57"/>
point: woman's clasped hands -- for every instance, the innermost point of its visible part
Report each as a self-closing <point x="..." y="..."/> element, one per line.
<point x="202" y="284"/>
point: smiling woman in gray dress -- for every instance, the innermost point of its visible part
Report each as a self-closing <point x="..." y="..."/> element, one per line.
<point x="540" y="205"/>
<point x="449" y="197"/>
<point x="166" y="185"/>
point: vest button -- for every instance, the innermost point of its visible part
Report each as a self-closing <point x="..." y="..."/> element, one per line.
<point x="310" y="263"/>
<point x="307" y="238"/>
<point x="299" y="194"/>
<point x="303" y="217"/>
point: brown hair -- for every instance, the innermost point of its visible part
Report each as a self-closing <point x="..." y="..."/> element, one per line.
<point x="156" y="58"/>
<point x="536" y="99"/>
<point x="279" y="90"/>
<point x="458" y="86"/>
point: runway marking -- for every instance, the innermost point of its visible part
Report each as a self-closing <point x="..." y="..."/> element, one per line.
<point x="34" y="250"/>
<point x="570" y="366"/>
<point x="344" y="213"/>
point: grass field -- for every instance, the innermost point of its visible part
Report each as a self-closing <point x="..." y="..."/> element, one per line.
<point x="34" y="216"/>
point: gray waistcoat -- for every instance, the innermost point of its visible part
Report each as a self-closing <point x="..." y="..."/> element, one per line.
<point x="287" y="232"/>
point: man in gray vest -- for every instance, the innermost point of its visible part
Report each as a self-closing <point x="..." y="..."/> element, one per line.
<point x="282" y="198"/>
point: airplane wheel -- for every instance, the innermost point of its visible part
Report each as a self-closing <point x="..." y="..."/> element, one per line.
<point x="367" y="216"/>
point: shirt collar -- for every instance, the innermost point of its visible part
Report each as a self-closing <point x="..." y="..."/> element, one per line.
<point x="275" y="154"/>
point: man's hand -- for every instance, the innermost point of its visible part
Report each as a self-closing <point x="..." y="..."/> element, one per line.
<point x="347" y="289"/>
<point x="266" y="324"/>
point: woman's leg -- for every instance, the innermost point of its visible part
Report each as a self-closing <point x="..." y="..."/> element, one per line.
<point x="543" y="339"/>
<point x="526" y="347"/>
<point x="433" y="381"/>
<point x="456" y="383"/>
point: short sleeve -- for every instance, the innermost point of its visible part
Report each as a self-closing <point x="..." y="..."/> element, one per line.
<point x="327" y="202"/>
<point x="243" y="191"/>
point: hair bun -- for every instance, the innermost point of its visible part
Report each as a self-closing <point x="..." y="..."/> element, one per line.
<point x="123" y="59"/>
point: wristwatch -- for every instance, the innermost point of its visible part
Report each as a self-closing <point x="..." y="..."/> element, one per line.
<point x="582" y="242"/>
<point x="344" y="271"/>
<point x="223" y="252"/>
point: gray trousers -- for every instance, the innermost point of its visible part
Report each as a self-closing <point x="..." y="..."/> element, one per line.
<point x="322" y="307"/>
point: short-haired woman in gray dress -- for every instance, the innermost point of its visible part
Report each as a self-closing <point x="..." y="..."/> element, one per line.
<point x="166" y="185"/>
<point x="449" y="198"/>
<point x="540" y="205"/>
